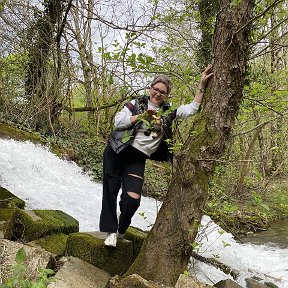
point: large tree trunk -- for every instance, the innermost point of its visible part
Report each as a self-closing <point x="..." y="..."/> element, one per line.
<point x="166" y="252"/>
<point x="37" y="69"/>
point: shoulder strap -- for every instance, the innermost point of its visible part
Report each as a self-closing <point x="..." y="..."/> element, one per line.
<point x="140" y="105"/>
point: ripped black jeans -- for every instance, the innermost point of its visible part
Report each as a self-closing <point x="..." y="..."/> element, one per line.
<point x="126" y="169"/>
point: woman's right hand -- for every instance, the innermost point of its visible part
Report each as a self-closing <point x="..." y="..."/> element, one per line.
<point x="148" y="114"/>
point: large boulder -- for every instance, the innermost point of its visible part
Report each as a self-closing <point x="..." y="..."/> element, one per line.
<point x="9" y="200"/>
<point x="90" y="247"/>
<point x="76" y="273"/>
<point x="36" y="258"/>
<point x="29" y="225"/>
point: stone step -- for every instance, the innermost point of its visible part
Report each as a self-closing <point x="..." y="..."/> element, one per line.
<point x="90" y="247"/>
<point x="76" y="273"/>
<point x="29" y="225"/>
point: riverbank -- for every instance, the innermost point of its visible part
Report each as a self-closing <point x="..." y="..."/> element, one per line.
<point x="254" y="213"/>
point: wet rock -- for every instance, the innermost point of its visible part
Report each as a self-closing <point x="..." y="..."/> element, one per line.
<point x="9" y="200"/>
<point x="251" y="283"/>
<point x="228" y="283"/>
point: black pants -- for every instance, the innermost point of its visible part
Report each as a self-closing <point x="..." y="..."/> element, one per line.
<point x="121" y="169"/>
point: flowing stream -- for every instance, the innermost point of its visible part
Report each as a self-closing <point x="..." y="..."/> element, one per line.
<point x="276" y="235"/>
<point x="45" y="181"/>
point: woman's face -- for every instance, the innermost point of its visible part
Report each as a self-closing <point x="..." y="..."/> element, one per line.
<point x="158" y="93"/>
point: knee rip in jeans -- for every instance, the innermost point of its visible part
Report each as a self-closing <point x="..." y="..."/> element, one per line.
<point x="137" y="176"/>
<point x="134" y="195"/>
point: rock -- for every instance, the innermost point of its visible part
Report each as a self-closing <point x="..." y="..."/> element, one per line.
<point x="5" y="216"/>
<point x="271" y="285"/>
<point x="76" y="273"/>
<point x="251" y="283"/>
<point x="2" y="229"/>
<point x="132" y="281"/>
<point x="35" y="258"/>
<point x="9" y="200"/>
<point x="55" y="244"/>
<point x="228" y="283"/>
<point x="90" y="247"/>
<point x="31" y="225"/>
<point x="137" y="237"/>
<point x="185" y="281"/>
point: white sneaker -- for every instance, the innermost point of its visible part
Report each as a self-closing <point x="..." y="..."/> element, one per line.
<point x="111" y="240"/>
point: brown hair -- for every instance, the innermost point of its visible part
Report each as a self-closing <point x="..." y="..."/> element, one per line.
<point x="163" y="79"/>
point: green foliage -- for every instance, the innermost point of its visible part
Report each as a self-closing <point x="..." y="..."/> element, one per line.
<point x="126" y="137"/>
<point x="19" y="279"/>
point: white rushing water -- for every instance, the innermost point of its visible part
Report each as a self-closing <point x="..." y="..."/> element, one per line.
<point x="45" y="181"/>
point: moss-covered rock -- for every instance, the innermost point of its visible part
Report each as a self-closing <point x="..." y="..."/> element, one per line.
<point x="239" y="224"/>
<point x="13" y="132"/>
<point x="9" y="200"/>
<point x="10" y="131"/>
<point x="90" y="247"/>
<point x="137" y="237"/>
<point x="6" y="214"/>
<point x="36" y="224"/>
<point x="55" y="244"/>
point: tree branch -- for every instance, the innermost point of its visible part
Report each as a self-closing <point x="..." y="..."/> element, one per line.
<point x="211" y="261"/>
<point x="58" y="37"/>
<point x="259" y="125"/>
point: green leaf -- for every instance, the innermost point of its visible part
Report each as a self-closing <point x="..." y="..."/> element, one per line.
<point x="265" y="206"/>
<point x="126" y="137"/>
<point x="20" y="256"/>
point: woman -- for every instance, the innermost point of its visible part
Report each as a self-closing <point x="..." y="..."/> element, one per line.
<point x="140" y="132"/>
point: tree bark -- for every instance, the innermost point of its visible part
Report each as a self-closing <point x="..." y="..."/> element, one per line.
<point x="207" y="10"/>
<point x="166" y="252"/>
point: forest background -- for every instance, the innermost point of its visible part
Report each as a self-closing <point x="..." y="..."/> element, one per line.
<point x="66" y="68"/>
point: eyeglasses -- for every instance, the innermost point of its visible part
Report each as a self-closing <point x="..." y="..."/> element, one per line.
<point x="162" y="93"/>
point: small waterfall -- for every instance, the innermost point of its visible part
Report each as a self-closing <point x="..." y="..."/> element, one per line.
<point x="45" y="181"/>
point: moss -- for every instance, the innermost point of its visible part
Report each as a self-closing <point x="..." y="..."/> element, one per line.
<point x="9" y="131"/>
<point x="55" y="244"/>
<point x="6" y="214"/>
<point x="137" y="237"/>
<point x="92" y="250"/>
<point x="32" y="225"/>
<point x="240" y="224"/>
<point x="9" y="200"/>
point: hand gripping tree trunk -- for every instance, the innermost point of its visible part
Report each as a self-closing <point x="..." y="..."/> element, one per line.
<point x="166" y="252"/>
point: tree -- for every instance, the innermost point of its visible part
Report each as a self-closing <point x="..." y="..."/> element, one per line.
<point x="43" y="34"/>
<point x="179" y="217"/>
